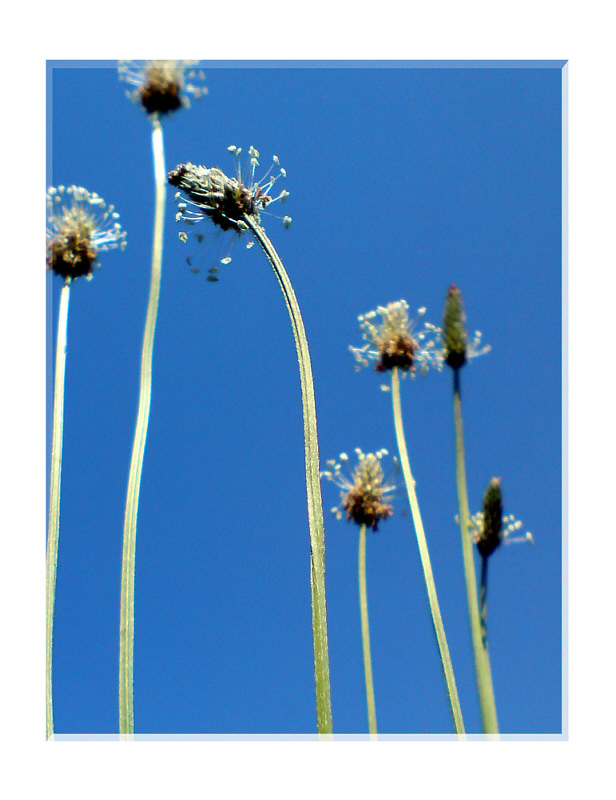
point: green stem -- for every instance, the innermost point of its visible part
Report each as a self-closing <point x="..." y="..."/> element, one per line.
<point x="483" y="601"/>
<point x="313" y="485"/>
<point x="365" y="632"/>
<point x="127" y="598"/>
<point x="482" y="658"/>
<point x="437" y="621"/>
<point x="54" y="496"/>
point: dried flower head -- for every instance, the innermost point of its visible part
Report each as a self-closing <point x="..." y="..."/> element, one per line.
<point x="162" y="86"/>
<point x="207" y="193"/>
<point x="226" y="201"/>
<point x="457" y="350"/>
<point x="491" y="528"/>
<point x="364" y="492"/>
<point x="79" y="226"/>
<point x="396" y="340"/>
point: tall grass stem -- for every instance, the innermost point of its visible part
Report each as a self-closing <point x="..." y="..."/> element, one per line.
<point x="55" y="481"/>
<point x="313" y="485"/>
<point x="452" y="691"/>
<point x="480" y="648"/>
<point x="127" y="598"/>
<point x="365" y="632"/>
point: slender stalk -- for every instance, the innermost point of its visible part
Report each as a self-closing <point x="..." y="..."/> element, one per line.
<point x="54" y="496"/>
<point x="365" y="632"/>
<point x="127" y="599"/>
<point x="482" y="658"/>
<point x="452" y="692"/>
<point x="313" y="485"/>
<point x="483" y="601"/>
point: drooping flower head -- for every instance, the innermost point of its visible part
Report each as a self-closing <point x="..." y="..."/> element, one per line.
<point x="207" y="193"/>
<point x="212" y="195"/>
<point x="79" y="226"/>
<point x="491" y="528"/>
<point x="364" y="492"/>
<point x="457" y="350"/>
<point x="395" y="340"/>
<point x="162" y="86"/>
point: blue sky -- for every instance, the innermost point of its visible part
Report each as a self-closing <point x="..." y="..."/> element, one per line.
<point x="402" y="181"/>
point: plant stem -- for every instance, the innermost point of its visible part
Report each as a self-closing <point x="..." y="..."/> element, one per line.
<point x="127" y="599"/>
<point x="483" y="601"/>
<point x="437" y="621"/>
<point x="482" y="658"/>
<point x="365" y="632"/>
<point x="313" y="485"/>
<point x="54" y="497"/>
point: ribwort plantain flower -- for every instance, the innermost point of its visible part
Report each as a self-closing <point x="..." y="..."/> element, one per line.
<point x="79" y="226"/>
<point x="212" y="195"/>
<point x="162" y="87"/>
<point x="456" y="349"/>
<point x="207" y="193"/>
<point x="491" y="528"/>
<point x="235" y="204"/>
<point x="397" y="341"/>
<point x="365" y="491"/>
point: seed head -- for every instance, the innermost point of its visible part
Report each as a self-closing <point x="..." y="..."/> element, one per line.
<point x="396" y="341"/>
<point x="491" y="528"/>
<point x="364" y="491"/>
<point x="79" y="226"/>
<point x="162" y="86"/>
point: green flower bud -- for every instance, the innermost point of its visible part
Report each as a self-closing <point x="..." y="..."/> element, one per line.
<point x="490" y="535"/>
<point x="454" y="329"/>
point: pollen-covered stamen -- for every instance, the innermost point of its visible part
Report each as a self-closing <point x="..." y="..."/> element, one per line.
<point x="365" y="492"/>
<point x="263" y="187"/>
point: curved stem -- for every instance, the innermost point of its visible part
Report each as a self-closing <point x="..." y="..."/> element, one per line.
<point x="127" y="597"/>
<point x="53" y="534"/>
<point x="313" y="485"/>
<point x="482" y="658"/>
<point x="365" y="632"/>
<point x="437" y="621"/>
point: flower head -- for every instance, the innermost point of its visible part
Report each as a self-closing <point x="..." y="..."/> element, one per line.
<point x="457" y="350"/>
<point x="207" y="193"/>
<point x="226" y="201"/>
<point x="491" y="528"/>
<point x="395" y="340"/>
<point x="79" y="226"/>
<point x="364" y="492"/>
<point x="162" y="86"/>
